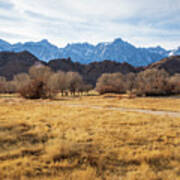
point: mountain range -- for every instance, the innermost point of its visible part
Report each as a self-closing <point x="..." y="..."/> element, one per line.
<point x="84" y="53"/>
<point x="12" y="63"/>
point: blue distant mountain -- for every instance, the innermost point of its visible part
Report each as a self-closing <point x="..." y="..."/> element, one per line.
<point x="118" y="50"/>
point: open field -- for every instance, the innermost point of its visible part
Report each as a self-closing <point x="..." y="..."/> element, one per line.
<point x="111" y="100"/>
<point x="57" y="139"/>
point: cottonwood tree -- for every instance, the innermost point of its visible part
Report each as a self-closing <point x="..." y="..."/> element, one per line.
<point x="38" y="86"/>
<point x="111" y="83"/>
<point x="149" y="82"/>
<point x="40" y="72"/>
<point x="10" y="87"/>
<point x="3" y="83"/>
<point x="74" y="81"/>
<point x="58" y="82"/>
<point x="130" y="80"/>
<point x="174" y="82"/>
<point x="153" y="82"/>
<point x="87" y="88"/>
<point x="21" y="80"/>
<point x="84" y="88"/>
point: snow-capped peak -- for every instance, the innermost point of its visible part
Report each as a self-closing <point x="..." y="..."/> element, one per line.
<point x="118" y="50"/>
<point x="175" y="52"/>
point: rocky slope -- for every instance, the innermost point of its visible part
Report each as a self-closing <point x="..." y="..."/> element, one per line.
<point x="13" y="63"/>
<point x="170" y="64"/>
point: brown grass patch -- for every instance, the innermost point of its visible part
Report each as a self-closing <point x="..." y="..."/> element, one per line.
<point x="45" y="140"/>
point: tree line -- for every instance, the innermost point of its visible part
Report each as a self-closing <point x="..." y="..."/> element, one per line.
<point x="42" y="82"/>
<point x="151" y="82"/>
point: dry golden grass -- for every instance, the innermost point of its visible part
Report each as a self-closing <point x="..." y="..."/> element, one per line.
<point x="45" y="140"/>
<point x="111" y="100"/>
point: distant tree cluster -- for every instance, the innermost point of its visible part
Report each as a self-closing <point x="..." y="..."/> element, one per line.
<point x="115" y="83"/>
<point x="7" y="86"/>
<point x="151" y="82"/>
<point x="42" y="82"/>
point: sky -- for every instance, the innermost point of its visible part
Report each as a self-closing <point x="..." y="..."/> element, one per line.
<point x="140" y="22"/>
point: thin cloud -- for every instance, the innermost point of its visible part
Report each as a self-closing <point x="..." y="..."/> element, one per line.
<point x="138" y="21"/>
<point x="6" y="5"/>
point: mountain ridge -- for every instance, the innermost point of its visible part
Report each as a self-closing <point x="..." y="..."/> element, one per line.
<point x="117" y="50"/>
<point x="12" y="63"/>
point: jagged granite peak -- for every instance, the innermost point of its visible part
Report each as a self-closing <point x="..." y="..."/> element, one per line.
<point x="4" y="45"/>
<point x="44" y="41"/>
<point x="175" y="52"/>
<point x="41" y="49"/>
<point x="117" y="50"/>
<point x="118" y="40"/>
<point x="2" y="42"/>
<point x="159" y="50"/>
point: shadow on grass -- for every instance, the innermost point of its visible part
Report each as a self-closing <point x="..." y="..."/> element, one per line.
<point x="71" y="97"/>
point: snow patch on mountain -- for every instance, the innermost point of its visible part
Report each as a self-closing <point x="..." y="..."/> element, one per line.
<point x="175" y="52"/>
<point x="117" y="50"/>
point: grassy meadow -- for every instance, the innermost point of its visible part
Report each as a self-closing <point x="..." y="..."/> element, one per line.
<point x="70" y="138"/>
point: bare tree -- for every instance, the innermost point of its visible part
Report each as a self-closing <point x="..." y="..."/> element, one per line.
<point x="21" y="80"/>
<point x="87" y="88"/>
<point x="130" y="81"/>
<point x="84" y="88"/>
<point x="174" y="82"/>
<point x="149" y="82"/>
<point x="40" y="73"/>
<point x="111" y="83"/>
<point x="153" y="82"/>
<point x="74" y="81"/>
<point x="58" y="82"/>
<point x="10" y="87"/>
<point x="38" y="86"/>
<point x="3" y="83"/>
